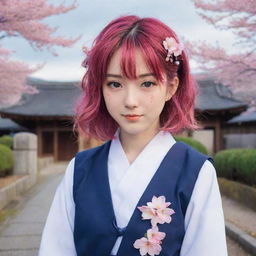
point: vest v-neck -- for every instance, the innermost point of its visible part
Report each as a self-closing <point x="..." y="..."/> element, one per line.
<point x="127" y="182"/>
<point x="143" y="152"/>
<point x="154" y="187"/>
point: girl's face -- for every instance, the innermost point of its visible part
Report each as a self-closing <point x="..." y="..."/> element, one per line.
<point x="136" y="105"/>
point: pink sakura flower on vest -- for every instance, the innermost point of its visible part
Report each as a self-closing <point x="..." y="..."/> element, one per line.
<point x="147" y="246"/>
<point x="153" y="234"/>
<point x="151" y="244"/>
<point x="157" y="211"/>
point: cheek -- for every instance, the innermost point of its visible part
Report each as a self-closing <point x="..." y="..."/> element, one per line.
<point x="151" y="99"/>
<point x="107" y="96"/>
<point x="110" y="100"/>
<point x="156" y="100"/>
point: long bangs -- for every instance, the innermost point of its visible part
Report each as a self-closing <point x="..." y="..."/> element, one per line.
<point x="128" y="54"/>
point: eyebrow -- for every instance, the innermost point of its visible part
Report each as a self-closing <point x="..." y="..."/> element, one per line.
<point x="140" y="76"/>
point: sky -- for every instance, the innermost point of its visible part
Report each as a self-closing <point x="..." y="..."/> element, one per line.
<point x="90" y="17"/>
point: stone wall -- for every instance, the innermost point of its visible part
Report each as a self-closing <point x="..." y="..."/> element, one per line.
<point x="25" y="165"/>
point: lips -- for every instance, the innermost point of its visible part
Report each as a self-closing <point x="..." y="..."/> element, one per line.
<point x="132" y="117"/>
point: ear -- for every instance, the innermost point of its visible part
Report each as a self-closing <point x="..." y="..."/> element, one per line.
<point x="172" y="87"/>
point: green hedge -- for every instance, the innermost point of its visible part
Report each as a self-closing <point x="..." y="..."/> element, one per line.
<point x="6" y="140"/>
<point x="6" y="158"/>
<point x="193" y="143"/>
<point x="237" y="165"/>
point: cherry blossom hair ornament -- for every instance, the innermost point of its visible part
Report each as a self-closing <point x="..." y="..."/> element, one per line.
<point x="174" y="50"/>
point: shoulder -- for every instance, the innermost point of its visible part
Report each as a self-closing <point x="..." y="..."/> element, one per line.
<point x="85" y="159"/>
<point x="208" y="171"/>
<point x="206" y="183"/>
<point x="193" y="153"/>
<point x="206" y="188"/>
<point x="68" y="177"/>
<point x="190" y="149"/>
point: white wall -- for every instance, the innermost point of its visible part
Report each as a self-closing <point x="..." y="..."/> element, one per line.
<point x="206" y="137"/>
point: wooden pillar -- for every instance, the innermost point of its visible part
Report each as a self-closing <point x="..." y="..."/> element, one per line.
<point x="55" y="143"/>
<point x="39" y="139"/>
<point x="218" y="137"/>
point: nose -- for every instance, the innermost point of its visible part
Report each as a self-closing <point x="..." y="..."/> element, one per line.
<point x="131" y="98"/>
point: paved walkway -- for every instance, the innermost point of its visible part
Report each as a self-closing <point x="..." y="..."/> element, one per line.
<point x="242" y="217"/>
<point x="240" y="223"/>
<point x="20" y="235"/>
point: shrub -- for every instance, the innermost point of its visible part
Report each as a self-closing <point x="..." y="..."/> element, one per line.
<point x="193" y="143"/>
<point x="237" y="165"/>
<point x="6" y="140"/>
<point x="6" y="158"/>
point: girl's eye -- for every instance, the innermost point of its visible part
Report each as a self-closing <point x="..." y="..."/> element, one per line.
<point x="114" y="85"/>
<point x="148" y="84"/>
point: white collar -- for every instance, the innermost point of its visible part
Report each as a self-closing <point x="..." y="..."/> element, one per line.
<point x="127" y="182"/>
<point x="157" y="147"/>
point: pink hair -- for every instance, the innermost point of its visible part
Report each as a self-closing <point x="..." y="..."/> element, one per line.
<point x="129" y="33"/>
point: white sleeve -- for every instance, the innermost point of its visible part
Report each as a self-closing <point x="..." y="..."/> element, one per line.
<point x="204" y="220"/>
<point x="57" y="238"/>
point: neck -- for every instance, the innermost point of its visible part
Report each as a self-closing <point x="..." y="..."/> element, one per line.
<point x="133" y="144"/>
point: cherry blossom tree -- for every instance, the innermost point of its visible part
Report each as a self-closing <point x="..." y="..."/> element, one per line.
<point x="23" y="18"/>
<point x="235" y="70"/>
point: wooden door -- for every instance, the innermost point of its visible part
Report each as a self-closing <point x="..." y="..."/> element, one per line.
<point x="67" y="145"/>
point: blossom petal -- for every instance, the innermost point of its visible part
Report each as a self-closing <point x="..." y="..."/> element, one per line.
<point x="143" y="251"/>
<point x="140" y="242"/>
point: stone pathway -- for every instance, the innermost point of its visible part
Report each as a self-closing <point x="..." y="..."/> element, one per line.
<point x="20" y="235"/>
<point x="239" y="215"/>
<point x="234" y="249"/>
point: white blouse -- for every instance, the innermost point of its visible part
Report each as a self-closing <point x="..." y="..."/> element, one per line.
<point x="204" y="220"/>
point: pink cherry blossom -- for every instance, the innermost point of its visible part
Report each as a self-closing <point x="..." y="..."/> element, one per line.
<point x="154" y="234"/>
<point x="172" y="46"/>
<point x="236" y="69"/>
<point x="157" y="211"/>
<point x="148" y="246"/>
<point x="24" y="19"/>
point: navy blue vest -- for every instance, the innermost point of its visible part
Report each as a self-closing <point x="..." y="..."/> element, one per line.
<point x="95" y="230"/>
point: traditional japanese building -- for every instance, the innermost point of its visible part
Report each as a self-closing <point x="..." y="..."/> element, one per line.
<point x="240" y="131"/>
<point x="215" y="105"/>
<point x="49" y="114"/>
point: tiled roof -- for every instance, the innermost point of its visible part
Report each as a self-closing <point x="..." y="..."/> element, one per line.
<point x="53" y="99"/>
<point x="243" y="118"/>
<point x="215" y="97"/>
<point x="8" y="124"/>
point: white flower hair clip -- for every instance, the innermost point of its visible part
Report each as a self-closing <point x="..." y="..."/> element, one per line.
<point x="174" y="50"/>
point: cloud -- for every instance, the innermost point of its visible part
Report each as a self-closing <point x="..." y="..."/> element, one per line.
<point x="58" y="71"/>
